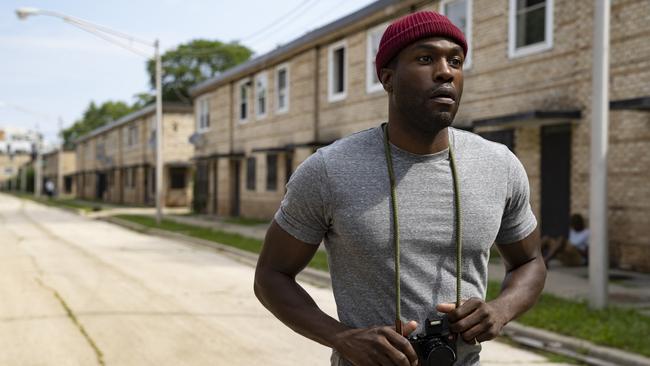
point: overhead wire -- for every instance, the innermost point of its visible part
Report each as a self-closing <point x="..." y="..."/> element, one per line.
<point x="277" y="21"/>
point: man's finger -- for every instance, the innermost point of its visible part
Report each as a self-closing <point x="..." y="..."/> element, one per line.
<point x="445" y="307"/>
<point x="465" y="309"/>
<point x="403" y="347"/>
<point x="468" y="321"/>
<point x="409" y="328"/>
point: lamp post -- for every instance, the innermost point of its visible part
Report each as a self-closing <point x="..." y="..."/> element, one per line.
<point x="111" y="36"/>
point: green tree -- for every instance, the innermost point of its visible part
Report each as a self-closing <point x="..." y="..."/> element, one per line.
<point x="94" y="117"/>
<point x="191" y="63"/>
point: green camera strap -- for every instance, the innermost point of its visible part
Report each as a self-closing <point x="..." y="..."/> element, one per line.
<point x="396" y="242"/>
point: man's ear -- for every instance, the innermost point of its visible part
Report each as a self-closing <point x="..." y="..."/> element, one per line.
<point x="386" y="79"/>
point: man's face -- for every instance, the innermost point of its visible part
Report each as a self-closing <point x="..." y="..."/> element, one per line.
<point x="427" y="82"/>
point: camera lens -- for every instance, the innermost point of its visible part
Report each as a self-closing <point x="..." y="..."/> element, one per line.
<point x="441" y="356"/>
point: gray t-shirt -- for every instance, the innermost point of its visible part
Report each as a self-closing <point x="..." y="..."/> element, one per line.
<point x="341" y="194"/>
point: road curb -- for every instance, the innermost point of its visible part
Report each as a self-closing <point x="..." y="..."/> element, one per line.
<point x="580" y="349"/>
<point x="310" y="275"/>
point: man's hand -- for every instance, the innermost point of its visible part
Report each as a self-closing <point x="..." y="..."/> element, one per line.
<point x="377" y="346"/>
<point x="474" y="320"/>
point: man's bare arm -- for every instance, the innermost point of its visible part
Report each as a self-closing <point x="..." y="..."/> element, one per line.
<point x="478" y="320"/>
<point x="281" y="259"/>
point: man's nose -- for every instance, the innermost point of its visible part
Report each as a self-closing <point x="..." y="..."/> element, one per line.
<point x="442" y="72"/>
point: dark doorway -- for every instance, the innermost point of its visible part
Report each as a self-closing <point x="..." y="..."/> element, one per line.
<point x="201" y="186"/>
<point x="288" y="168"/>
<point x="101" y="186"/>
<point x="235" y="181"/>
<point x="215" y="186"/>
<point x="556" y="179"/>
<point x="506" y="137"/>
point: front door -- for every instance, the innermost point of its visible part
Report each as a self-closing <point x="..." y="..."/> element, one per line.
<point x="215" y="187"/>
<point x="556" y="179"/>
<point x="235" y="182"/>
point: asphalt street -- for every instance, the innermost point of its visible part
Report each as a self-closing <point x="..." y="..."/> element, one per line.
<point x="75" y="291"/>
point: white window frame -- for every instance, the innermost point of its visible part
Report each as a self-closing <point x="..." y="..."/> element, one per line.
<point x="263" y="79"/>
<point x="245" y="83"/>
<point x="514" y="52"/>
<point x="467" y="64"/>
<point x="371" y="71"/>
<point x="203" y="110"/>
<point x="287" y="93"/>
<point x="331" y="95"/>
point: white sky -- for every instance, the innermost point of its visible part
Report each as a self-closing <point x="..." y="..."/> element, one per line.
<point x="50" y="69"/>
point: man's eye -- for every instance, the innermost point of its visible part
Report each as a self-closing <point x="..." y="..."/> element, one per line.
<point x="424" y="59"/>
<point x="456" y="62"/>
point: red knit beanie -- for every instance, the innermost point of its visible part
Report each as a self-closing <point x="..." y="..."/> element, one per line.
<point x="412" y="27"/>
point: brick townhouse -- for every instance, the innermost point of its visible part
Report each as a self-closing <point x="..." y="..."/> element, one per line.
<point x="527" y="85"/>
<point x="59" y="167"/>
<point x="116" y="162"/>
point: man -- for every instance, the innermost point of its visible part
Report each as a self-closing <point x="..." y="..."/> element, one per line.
<point x="571" y="251"/>
<point x="342" y="194"/>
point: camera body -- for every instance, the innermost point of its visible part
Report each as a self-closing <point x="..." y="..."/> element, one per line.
<point x="436" y="346"/>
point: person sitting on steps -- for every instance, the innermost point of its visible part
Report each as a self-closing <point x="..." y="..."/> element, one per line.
<point x="575" y="254"/>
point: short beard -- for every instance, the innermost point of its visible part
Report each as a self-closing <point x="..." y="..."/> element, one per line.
<point x="423" y="120"/>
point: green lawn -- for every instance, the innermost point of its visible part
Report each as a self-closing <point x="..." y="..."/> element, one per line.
<point x="238" y="241"/>
<point x="615" y="327"/>
<point x="620" y="328"/>
<point x="59" y="202"/>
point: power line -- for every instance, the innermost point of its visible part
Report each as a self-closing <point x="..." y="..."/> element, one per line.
<point x="338" y="4"/>
<point x="277" y="21"/>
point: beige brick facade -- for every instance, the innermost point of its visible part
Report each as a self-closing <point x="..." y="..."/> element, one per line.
<point x="541" y="99"/>
<point x="59" y="167"/>
<point x="116" y="163"/>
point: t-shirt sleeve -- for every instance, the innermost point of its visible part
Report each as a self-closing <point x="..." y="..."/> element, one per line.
<point x="518" y="220"/>
<point x="304" y="212"/>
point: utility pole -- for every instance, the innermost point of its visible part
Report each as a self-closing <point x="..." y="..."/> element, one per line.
<point x="159" y="135"/>
<point x="598" y="250"/>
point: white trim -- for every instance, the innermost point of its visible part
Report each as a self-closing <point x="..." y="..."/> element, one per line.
<point x="285" y="109"/>
<point x="203" y="101"/>
<point x="331" y="96"/>
<point x="547" y="44"/>
<point x="371" y="86"/>
<point x="238" y="100"/>
<point x="467" y="64"/>
<point x="261" y="79"/>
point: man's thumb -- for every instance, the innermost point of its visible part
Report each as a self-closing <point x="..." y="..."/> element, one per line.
<point x="409" y="327"/>
<point x="446" y="307"/>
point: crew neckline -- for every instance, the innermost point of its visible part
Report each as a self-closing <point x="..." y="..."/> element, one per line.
<point x="400" y="153"/>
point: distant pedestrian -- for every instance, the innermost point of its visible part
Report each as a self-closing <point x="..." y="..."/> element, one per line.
<point x="49" y="189"/>
<point x="574" y="254"/>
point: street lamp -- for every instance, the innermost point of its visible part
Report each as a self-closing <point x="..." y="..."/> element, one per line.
<point x="109" y="35"/>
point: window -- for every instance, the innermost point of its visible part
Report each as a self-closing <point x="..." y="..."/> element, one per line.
<point x="177" y="178"/>
<point x="250" y="173"/>
<point x="271" y="172"/>
<point x="530" y="28"/>
<point x="336" y="72"/>
<point x="372" y="46"/>
<point x="282" y="88"/>
<point x="261" y="82"/>
<point x="132" y="136"/>
<point x="506" y="137"/>
<point x="460" y="13"/>
<point x="243" y="100"/>
<point x="203" y="115"/>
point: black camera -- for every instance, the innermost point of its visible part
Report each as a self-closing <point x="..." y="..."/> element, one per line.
<point x="436" y="346"/>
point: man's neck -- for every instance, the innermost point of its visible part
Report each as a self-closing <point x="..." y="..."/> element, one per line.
<point x="417" y="142"/>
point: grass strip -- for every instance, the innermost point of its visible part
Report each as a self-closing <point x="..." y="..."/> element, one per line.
<point x="616" y="327"/>
<point x="319" y="261"/>
<point x="59" y="202"/>
<point x="620" y="328"/>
